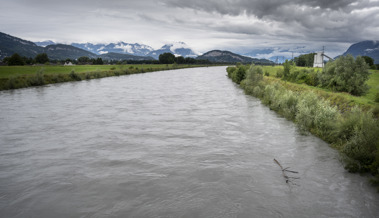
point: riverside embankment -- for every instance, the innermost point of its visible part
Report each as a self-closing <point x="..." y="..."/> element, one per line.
<point x="350" y="127"/>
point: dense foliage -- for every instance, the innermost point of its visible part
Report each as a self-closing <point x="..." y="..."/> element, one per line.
<point x="15" y="60"/>
<point x="42" y="58"/>
<point x="305" y="60"/>
<point x="345" y="74"/>
<point x="166" y="58"/>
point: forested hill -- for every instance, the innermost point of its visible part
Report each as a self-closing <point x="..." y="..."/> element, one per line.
<point x="229" y="57"/>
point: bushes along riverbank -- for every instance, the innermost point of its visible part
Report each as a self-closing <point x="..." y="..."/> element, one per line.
<point x="353" y="131"/>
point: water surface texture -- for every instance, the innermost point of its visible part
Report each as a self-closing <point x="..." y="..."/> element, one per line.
<point x="181" y="143"/>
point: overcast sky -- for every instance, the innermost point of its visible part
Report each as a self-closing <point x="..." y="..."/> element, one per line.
<point x="235" y="25"/>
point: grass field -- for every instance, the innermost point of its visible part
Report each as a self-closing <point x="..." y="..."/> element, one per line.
<point x="14" y="77"/>
<point x="14" y="71"/>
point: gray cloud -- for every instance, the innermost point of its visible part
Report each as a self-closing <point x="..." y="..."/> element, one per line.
<point x="237" y="25"/>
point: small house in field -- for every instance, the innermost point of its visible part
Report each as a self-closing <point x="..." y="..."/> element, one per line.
<point x="68" y="63"/>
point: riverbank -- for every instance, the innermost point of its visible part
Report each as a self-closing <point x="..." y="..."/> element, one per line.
<point x="14" y="77"/>
<point x="351" y="126"/>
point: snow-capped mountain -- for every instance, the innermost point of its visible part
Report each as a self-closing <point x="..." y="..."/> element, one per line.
<point x="45" y="43"/>
<point x="120" y="47"/>
<point x="177" y="48"/>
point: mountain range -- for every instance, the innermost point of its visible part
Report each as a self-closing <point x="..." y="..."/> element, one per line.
<point x="178" y="48"/>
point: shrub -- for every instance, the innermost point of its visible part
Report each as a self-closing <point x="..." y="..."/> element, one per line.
<point x="239" y="74"/>
<point x="38" y="79"/>
<point x="88" y="75"/>
<point x="346" y="75"/>
<point x="279" y="73"/>
<point x="254" y="74"/>
<point x="362" y="146"/>
<point x="377" y="97"/>
<point x="289" y="101"/>
<point x="316" y="115"/>
<point x="287" y="67"/>
<point x="75" y="76"/>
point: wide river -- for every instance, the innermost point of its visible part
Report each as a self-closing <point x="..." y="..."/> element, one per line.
<point x="180" y="143"/>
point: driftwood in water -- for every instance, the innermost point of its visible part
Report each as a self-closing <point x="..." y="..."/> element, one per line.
<point x="288" y="179"/>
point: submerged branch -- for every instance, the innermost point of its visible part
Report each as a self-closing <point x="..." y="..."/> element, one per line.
<point x="288" y="179"/>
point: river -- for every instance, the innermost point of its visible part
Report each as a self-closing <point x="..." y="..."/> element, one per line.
<point x="180" y="143"/>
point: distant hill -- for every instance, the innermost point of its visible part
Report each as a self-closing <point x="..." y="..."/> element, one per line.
<point x="218" y="56"/>
<point x="365" y="48"/>
<point x="10" y="45"/>
<point x="61" y="51"/>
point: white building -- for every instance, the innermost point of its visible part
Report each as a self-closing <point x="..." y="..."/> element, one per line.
<point x="318" y="60"/>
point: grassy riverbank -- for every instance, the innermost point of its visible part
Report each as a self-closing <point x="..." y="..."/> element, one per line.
<point x="13" y="77"/>
<point x="349" y="123"/>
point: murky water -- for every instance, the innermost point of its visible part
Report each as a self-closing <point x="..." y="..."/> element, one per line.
<point x="182" y="143"/>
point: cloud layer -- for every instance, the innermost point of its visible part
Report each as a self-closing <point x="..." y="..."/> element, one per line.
<point x="237" y="25"/>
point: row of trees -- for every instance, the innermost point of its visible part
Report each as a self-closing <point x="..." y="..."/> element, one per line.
<point x="165" y="58"/>
<point x="16" y="59"/>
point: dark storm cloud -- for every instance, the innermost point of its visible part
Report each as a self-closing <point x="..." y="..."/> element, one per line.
<point x="315" y="19"/>
<point x="255" y="7"/>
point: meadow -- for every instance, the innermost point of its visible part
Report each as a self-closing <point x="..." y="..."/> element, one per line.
<point x="13" y="77"/>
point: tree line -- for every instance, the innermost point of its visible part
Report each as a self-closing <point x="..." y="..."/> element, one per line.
<point x="165" y="58"/>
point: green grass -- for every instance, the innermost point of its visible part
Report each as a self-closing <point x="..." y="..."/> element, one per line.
<point x="14" y="71"/>
<point x="14" y="77"/>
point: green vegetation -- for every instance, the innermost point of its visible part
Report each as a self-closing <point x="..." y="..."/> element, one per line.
<point x="305" y="60"/>
<point x="13" y="77"/>
<point x="345" y="74"/>
<point x="347" y="122"/>
<point x="41" y="58"/>
<point x="166" y="58"/>
<point x="16" y="60"/>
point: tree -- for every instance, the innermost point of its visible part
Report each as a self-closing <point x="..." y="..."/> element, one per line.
<point x="15" y="60"/>
<point x="180" y="60"/>
<point x="97" y="61"/>
<point x="166" y="58"/>
<point x="287" y="66"/>
<point x="41" y="58"/>
<point x="368" y="60"/>
<point x="83" y="60"/>
<point x="305" y="60"/>
<point x="346" y="75"/>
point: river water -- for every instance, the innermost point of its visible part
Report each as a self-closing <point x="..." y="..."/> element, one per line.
<point x="180" y="143"/>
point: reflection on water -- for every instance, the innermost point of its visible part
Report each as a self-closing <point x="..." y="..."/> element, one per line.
<point x="182" y="143"/>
